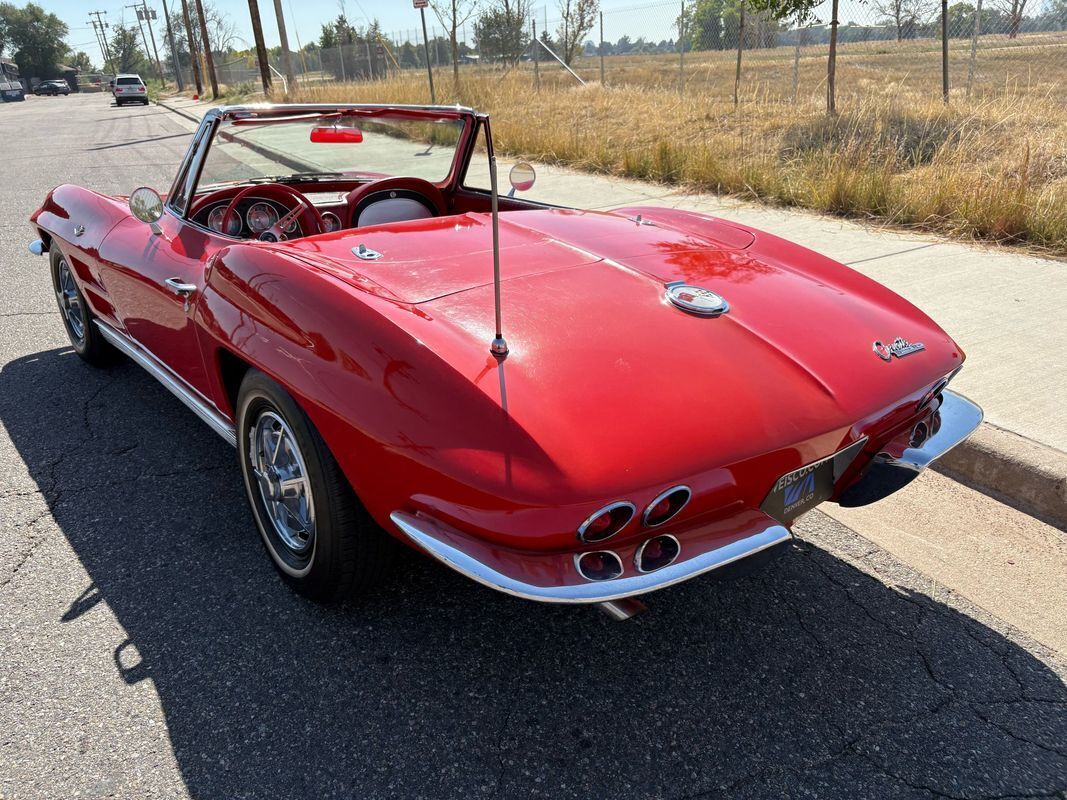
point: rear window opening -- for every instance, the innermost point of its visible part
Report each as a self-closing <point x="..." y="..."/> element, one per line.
<point x="129" y="81"/>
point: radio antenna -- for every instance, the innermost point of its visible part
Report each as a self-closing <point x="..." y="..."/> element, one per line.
<point x="499" y="347"/>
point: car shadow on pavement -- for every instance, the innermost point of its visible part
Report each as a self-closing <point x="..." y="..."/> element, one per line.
<point x="810" y="675"/>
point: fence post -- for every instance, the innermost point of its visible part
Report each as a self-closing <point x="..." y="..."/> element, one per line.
<point x="740" y="49"/>
<point x="944" y="50"/>
<point x="974" y="46"/>
<point x="341" y="56"/>
<point x="429" y="67"/>
<point x="831" y="64"/>
<point x="601" y="48"/>
<point x="681" y="51"/>
<point x="796" y="63"/>
<point x="537" y="56"/>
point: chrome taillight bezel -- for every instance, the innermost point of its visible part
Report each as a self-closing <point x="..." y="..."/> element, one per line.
<point x="663" y="496"/>
<point x="616" y="527"/>
<point x="578" y="557"/>
<point x="640" y="551"/>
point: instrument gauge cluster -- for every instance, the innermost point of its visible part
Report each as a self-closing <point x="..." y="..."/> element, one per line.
<point x="215" y="220"/>
<point x="330" y="222"/>
<point x="261" y="216"/>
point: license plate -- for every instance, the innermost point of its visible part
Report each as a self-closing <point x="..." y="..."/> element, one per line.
<point x="803" y="489"/>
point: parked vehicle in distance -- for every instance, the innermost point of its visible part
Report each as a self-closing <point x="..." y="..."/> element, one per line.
<point x="11" y="89"/>
<point x="567" y="406"/>
<point x="52" y="88"/>
<point x="129" y="89"/>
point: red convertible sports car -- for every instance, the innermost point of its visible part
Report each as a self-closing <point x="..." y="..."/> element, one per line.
<point x="568" y="406"/>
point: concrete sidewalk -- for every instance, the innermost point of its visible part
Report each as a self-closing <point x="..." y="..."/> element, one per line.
<point x="1006" y="309"/>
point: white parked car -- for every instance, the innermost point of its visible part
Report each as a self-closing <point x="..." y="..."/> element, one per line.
<point x="129" y="89"/>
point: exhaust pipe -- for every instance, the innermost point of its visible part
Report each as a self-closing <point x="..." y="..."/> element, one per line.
<point x="622" y="609"/>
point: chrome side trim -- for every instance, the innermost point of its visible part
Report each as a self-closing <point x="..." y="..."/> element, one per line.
<point x="175" y="385"/>
<point x="419" y="531"/>
<point x="959" y="417"/>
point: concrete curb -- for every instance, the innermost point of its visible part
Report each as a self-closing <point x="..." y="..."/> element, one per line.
<point x="180" y="112"/>
<point x="1020" y="472"/>
<point x="1015" y="470"/>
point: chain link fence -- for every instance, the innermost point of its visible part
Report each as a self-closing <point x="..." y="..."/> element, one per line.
<point x="720" y="48"/>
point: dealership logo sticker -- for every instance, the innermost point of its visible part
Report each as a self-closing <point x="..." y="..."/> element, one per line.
<point x="900" y="347"/>
<point x="803" y="488"/>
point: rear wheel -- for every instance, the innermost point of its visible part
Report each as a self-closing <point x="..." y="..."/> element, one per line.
<point x="320" y="538"/>
<point x="85" y="338"/>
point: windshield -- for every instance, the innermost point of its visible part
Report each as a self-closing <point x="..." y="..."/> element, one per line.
<point x="334" y="146"/>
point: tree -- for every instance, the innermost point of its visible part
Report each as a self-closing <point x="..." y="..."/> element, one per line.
<point x="81" y="62"/>
<point x="453" y="14"/>
<point x="7" y="11"/>
<point x="800" y="12"/>
<point x="577" y="18"/>
<point x="905" y="15"/>
<point x="221" y="29"/>
<point x="1015" y="10"/>
<point x="36" y="38"/>
<point x="124" y="44"/>
<point x="502" y="30"/>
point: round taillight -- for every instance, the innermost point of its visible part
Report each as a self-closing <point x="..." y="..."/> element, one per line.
<point x="666" y="506"/>
<point x="606" y="522"/>
<point x="657" y="553"/>
<point x="599" y="565"/>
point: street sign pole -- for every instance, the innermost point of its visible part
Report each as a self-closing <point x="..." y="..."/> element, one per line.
<point x="421" y="6"/>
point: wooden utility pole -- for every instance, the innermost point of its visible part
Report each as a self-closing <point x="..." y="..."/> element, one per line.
<point x="287" y="61"/>
<point x="148" y="15"/>
<point x="194" y="56"/>
<point x="261" y="48"/>
<point x="103" y="36"/>
<point x="173" y="50"/>
<point x="208" y="58"/>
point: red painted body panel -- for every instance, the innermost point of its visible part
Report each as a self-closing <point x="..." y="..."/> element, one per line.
<point x="608" y="393"/>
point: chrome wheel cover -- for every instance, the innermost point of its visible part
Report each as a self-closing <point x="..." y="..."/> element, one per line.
<point x="284" y="486"/>
<point x="70" y="304"/>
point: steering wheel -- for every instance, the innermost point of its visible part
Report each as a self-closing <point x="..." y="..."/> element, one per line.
<point x="389" y="188"/>
<point x="311" y="219"/>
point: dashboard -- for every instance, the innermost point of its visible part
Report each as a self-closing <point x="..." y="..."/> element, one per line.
<point x="254" y="215"/>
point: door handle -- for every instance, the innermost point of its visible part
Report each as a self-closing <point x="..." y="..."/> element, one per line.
<point x="182" y="289"/>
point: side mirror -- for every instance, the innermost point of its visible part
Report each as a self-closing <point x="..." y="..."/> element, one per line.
<point x="522" y="178"/>
<point x="147" y="206"/>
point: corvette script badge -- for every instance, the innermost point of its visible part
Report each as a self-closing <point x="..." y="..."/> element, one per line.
<point x="899" y="348"/>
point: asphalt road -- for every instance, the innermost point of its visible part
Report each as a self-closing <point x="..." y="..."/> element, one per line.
<point x="150" y="651"/>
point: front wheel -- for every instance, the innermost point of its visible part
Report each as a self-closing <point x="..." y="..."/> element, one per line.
<point x="320" y="538"/>
<point x="84" y="337"/>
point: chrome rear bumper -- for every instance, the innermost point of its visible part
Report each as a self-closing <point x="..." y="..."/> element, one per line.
<point x="551" y="577"/>
<point x="902" y="459"/>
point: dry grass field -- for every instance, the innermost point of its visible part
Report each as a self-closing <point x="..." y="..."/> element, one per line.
<point x="991" y="167"/>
